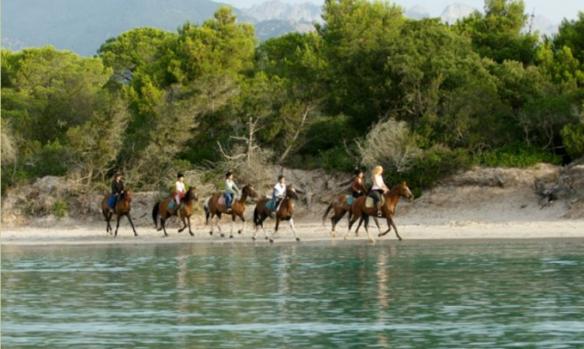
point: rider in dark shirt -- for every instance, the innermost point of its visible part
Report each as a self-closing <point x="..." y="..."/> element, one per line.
<point x="117" y="188"/>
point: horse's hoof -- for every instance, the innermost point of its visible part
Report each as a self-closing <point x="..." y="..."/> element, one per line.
<point x="271" y="241"/>
<point x="266" y="238"/>
<point x="191" y="234"/>
<point x="298" y="239"/>
<point x="222" y="235"/>
<point x="135" y="234"/>
<point x="239" y="231"/>
<point x="253" y="238"/>
<point x="231" y="236"/>
<point x="210" y="233"/>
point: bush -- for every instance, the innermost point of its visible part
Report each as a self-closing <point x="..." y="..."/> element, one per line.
<point x="60" y="209"/>
<point x="516" y="155"/>
<point x="573" y="139"/>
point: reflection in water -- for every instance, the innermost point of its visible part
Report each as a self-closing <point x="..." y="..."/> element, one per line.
<point x="401" y="295"/>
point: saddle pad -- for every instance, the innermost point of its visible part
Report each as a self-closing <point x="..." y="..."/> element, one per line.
<point x="349" y="199"/>
<point x="221" y="200"/>
<point x="172" y="204"/>
<point x="369" y="202"/>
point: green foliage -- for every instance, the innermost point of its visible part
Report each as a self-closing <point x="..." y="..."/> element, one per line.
<point x="516" y="155"/>
<point x="482" y="91"/>
<point x="60" y="208"/>
<point x="573" y="138"/>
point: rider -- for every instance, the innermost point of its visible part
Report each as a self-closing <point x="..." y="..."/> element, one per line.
<point x="357" y="185"/>
<point x="179" y="189"/>
<point x="378" y="188"/>
<point x="279" y="192"/>
<point x="117" y="189"/>
<point x="231" y="189"/>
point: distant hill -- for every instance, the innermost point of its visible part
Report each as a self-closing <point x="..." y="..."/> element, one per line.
<point x="456" y="11"/>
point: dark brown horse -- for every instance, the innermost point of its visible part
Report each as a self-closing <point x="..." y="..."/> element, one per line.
<point x="122" y="208"/>
<point x="340" y="206"/>
<point x="214" y="208"/>
<point x="360" y="211"/>
<point x="162" y="210"/>
<point x="285" y="212"/>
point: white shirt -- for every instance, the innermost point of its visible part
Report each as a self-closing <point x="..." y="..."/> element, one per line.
<point x="180" y="187"/>
<point x="378" y="183"/>
<point x="280" y="190"/>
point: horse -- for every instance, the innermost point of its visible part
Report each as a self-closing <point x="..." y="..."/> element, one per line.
<point x="122" y="208"/>
<point x="214" y="208"/>
<point x="161" y="210"/>
<point x="360" y="211"/>
<point x="340" y="206"/>
<point x="285" y="212"/>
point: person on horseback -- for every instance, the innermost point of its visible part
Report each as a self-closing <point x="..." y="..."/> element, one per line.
<point x="357" y="185"/>
<point x="378" y="188"/>
<point x="231" y="189"/>
<point x="279" y="192"/>
<point x="117" y="189"/>
<point x="179" y="190"/>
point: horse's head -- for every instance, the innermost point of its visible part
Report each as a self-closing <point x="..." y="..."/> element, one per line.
<point x="249" y="191"/>
<point x="291" y="192"/>
<point x="191" y="195"/>
<point x="404" y="190"/>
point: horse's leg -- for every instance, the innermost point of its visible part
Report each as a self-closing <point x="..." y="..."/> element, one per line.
<point x="211" y="220"/>
<point x="182" y="219"/>
<point x="132" y="224"/>
<point x="366" y="225"/>
<point x="240" y="231"/>
<point x="377" y="224"/>
<point x="359" y="226"/>
<point x="351" y="222"/>
<point x="218" y="223"/>
<point x="189" y="222"/>
<point x="388" y="228"/>
<point x="117" y="225"/>
<point x="395" y="228"/>
<point x="232" y="224"/>
<point x="291" y="223"/>
<point x="275" y="229"/>
<point x="163" y="225"/>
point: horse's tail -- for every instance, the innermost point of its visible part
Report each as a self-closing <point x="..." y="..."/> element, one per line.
<point x="328" y="209"/>
<point x="155" y="210"/>
<point x="207" y="212"/>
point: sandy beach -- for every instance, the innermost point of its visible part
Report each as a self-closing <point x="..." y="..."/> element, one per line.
<point x="314" y="231"/>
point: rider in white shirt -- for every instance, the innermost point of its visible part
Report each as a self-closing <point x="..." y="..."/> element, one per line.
<point x="379" y="187"/>
<point x="179" y="188"/>
<point x="279" y="192"/>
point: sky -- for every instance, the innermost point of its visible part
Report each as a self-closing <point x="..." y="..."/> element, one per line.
<point x="555" y="10"/>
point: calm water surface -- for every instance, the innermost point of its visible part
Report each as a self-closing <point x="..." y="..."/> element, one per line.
<point x="415" y="294"/>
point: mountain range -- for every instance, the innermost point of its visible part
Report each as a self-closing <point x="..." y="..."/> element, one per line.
<point x="83" y="25"/>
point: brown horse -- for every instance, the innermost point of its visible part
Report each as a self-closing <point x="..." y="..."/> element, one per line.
<point x="162" y="210"/>
<point x="340" y="207"/>
<point x="214" y="208"/>
<point x="360" y="211"/>
<point x="285" y="212"/>
<point x="122" y="208"/>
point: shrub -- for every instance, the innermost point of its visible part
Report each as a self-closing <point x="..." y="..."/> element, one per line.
<point x="390" y="144"/>
<point x="573" y="139"/>
<point x="516" y="155"/>
<point x="60" y="209"/>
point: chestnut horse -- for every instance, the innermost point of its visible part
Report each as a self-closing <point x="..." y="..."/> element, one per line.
<point x="340" y="207"/>
<point x="213" y="208"/>
<point x="360" y="211"/>
<point x="161" y="210"/>
<point x="122" y="208"/>
<point x="284" y="213"/>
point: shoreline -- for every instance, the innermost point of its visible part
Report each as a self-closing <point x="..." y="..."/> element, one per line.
<point x="308" y="232"/>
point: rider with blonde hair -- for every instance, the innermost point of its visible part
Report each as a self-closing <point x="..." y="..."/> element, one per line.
<point x="378" y="188"/>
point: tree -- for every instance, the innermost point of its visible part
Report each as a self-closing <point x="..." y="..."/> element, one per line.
<point x="498" y="33"/>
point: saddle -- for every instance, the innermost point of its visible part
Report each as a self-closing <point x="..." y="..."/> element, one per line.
<point x="370" y="203"/>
